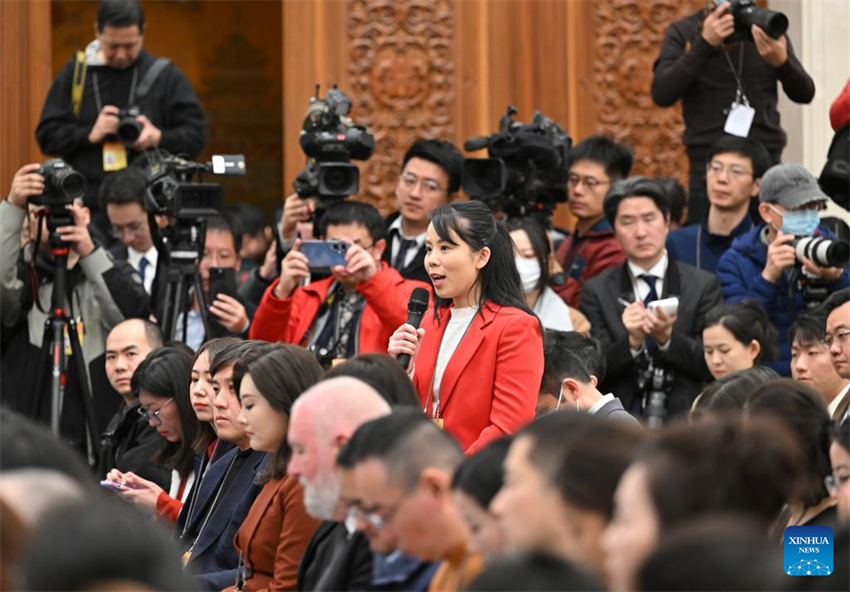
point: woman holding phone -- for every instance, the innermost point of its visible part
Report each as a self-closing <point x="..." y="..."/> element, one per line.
<point x="477" y="360"/>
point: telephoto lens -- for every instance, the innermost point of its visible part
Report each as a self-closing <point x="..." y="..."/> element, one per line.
<point x="823" y="252"/>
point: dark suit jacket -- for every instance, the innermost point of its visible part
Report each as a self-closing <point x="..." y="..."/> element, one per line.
<point x="697" y="291"/>
<point x="119" y="251"/>
<point x="214" y="560"/>
<point x="335" y="560"/>
<point x="416" y="269"/>
<point x="614" y="410"/>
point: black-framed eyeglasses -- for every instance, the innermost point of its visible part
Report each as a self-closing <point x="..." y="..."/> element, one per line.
<point x="153" y="416"/>
<point x="838" y="337"/>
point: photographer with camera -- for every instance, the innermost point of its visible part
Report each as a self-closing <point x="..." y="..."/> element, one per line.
<point x="115" y="99"/>
<point x="633" y="312"/>
<point x="101" y="292"/>
<point x="709" y="61"/>
<point x="353" y="311"/>
<point x="781" y="263"/>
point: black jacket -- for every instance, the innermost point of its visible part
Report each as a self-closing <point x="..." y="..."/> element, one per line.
<point x="416" y="269"/>
<point x="335" y="560"/>
<point x="129" y="444"/>
<point x="171" y="105"/>
<point x="697" y="290"/>
<point x="688" y="68"/>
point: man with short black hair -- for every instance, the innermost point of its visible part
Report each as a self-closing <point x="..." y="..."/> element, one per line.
<point x="636" y="338"/>
<point x="594" y="164"/>
<point x="837" y="337"/>
<point x="762" y="264"/>
<point x="402" y="466"/>
<point x="80" y="115"/>
<point x="811" y="363"/>
<point x="129" y="442"/>
<point x="353" y="311"/>
<point x="734" y="168"/>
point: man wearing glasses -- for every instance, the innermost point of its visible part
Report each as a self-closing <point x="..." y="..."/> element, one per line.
<point x="122" y="197"/>
<point x="837" y="339"/>
<point x="733" y="175"/>
<point x="762" y="264"/>
<point x="595" y="163"/>
<point x="429" y="179"/>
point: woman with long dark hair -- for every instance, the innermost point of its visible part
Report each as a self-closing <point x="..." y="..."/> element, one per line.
<point x="162" y="380"/>
<point x="737" y="336"/>
<point x="276" y="530"/>
<point x="477" y="361"/>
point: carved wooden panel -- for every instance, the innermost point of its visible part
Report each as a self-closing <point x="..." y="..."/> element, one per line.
<point x="401" y="74"/>
<point x="628" y="39"/>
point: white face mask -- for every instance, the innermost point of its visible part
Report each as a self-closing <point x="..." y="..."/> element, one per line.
<point x="529" y="273"/>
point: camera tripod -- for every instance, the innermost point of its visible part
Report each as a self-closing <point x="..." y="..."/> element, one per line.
<point x="53" y="355"/>
<point x="183" y="277"/>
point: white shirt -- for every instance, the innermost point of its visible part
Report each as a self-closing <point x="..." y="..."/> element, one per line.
<point x="134" y="257"/>
<point x="396" y="244"/>
<point x="461" y="319"/>
<point x="600" y="403"/>
<point x="552" y="311"/>
<point x="833" y="405"/>
<point x="640" y="287"/>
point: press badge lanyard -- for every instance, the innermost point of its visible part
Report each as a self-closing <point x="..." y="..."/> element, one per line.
<point x="114" y="152"/>
<point x="436" y="412"/>
<point x="740" y="115"/>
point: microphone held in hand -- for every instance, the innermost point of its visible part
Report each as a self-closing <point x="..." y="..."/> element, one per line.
<point x="416" y="307"/>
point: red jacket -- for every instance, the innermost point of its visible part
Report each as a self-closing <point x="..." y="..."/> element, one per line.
<point x="288" y="320"/>
<point x="584" y="257"/>
<point x="490" y="385"/>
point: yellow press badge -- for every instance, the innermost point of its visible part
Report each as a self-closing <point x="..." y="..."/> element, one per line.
<point x="67" y="340"/>
<point x="438" y="421"/>
<point x="114" y="156"/>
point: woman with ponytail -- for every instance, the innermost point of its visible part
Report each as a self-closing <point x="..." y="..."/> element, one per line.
<point x="477" y="360"/>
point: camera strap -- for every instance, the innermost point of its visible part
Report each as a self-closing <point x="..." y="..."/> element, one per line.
<point x="97" y="100"/>
<point x="78" y="83"/>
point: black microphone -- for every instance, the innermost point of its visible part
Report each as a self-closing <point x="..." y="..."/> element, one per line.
<point x="416" y="307"/>
<point x="476" y="143"/>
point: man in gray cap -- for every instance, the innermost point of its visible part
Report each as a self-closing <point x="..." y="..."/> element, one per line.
<point x="764" y="264"/>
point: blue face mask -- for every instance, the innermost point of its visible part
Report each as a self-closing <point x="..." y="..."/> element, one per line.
<point x="799" y="223"/>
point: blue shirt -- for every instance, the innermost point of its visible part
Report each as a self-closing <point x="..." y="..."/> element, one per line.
<point x="696" y="246"/>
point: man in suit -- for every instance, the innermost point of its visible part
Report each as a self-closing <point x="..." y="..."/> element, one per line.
<point x="429" y="179"/>
<point x="588" y="350"/>
<point x="322" y="421"/>
<point x="636" y="339"/>
<point x="122" y="197"/>
<point x="566" y="374"/>
<point x="401" y="466"/>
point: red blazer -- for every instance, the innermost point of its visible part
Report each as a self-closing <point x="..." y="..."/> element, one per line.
<point x="274" y="535"/>
<point x="490" y="385"/>
<point x="289" y="320"/>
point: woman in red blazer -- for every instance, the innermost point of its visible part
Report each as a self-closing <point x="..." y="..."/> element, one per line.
<point x="477" y="361"/>
<point x="277" y="528"/>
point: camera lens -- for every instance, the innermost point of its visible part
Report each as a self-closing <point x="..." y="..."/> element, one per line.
<point x="129" y="130"/>
<point x="69" y="183"/>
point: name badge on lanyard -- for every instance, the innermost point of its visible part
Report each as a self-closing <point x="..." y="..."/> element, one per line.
<point x="739" y="120"/>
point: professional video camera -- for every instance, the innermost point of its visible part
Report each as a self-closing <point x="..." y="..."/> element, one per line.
<point x="62" y="185"/>
<point x="330" y="140"/>
<point x="176" y="188"/>
<point x="746" y="14"/>
<point x="527" y="169"/>
<point x="655" y="383"/>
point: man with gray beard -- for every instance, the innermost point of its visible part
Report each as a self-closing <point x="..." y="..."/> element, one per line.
<point x="322" y="421"/>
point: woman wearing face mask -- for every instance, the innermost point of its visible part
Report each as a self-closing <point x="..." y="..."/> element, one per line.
<point x="533" y="252"/>
<point x="276" y="530"/>
<point x="737" y="337"/>
<point x="163" y="385"/>
<point x="477" y="360"/>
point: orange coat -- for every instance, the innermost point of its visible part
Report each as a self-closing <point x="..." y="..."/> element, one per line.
<point x="490" y="385"/>
<point x="274" y="535"/>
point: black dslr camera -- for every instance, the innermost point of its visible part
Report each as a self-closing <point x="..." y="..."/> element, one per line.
<point x="746" y="14"/>
<point x="129" y="128"/>
<point x="526" y="172"/>
<point x="331" y="140"/>
<point x="62" y="185"/>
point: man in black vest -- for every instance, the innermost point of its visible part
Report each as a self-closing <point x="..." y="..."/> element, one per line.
<point x="616" y="303"/>
<point x="80" y="116"/>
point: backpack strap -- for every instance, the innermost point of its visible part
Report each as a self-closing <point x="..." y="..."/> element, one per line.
<point x="78" y="83"/>
<point x="150" y="77"/>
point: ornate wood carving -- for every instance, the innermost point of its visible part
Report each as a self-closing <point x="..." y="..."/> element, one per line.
<point x="628" y="39"/>
<point x="401" y="77"/>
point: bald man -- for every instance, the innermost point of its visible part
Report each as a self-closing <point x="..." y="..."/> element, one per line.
<point x="322" y="421"/>
<point x="129" y="442"/>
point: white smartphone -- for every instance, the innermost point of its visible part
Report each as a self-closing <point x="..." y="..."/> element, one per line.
<point x="668" y="305"/>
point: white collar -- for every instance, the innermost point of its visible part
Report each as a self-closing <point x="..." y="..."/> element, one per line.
<point x="396" y="225"/>
<point x="600" y="403"/>
<point x="659" y="270"/>
<point x="134" y="256"/>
